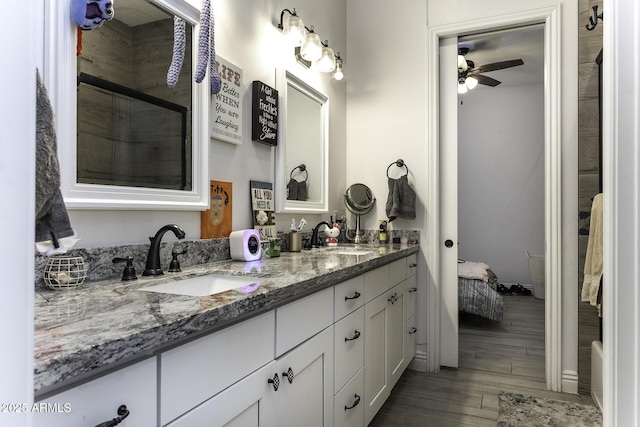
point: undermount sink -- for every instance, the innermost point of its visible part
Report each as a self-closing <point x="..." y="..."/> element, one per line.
<point x="201" y="286"/>
<point x="350" y="252"/>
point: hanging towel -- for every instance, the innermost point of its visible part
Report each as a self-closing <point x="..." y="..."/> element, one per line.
<point x="53" y="229"/>
<point x="593" y="260"/>
<point x="401" y="202"/>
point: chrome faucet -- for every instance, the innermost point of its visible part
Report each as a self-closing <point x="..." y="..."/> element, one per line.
<point x="153" y="258"/>
<point x="314" y="235"/>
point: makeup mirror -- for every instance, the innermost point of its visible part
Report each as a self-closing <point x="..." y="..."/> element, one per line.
<point x="126" y="140"/>
<point x="359" y="200"/>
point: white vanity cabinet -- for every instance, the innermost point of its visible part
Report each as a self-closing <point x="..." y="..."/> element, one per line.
<point x="97" y="401"/>
<point x="327" y="359"/>
<point x="386" y="347"/>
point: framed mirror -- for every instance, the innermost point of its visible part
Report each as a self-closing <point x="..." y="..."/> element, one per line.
<point x="302" y="165"/>
<point x="126" y="140"/>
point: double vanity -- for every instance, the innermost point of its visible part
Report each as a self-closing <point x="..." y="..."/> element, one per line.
<point x="312" y="338"/>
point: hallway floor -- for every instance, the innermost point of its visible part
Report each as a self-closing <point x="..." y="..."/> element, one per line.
<point x="494" y="357"/>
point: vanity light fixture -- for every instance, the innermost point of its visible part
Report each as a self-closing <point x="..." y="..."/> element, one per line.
<point x="309" y="47"/>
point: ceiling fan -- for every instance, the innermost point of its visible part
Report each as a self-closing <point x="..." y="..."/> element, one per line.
<point x="469" y="75"/>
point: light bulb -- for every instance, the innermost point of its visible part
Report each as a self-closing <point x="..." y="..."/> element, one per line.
<point x="293" y="30"/>
<point x="462" y="63"/>
<point x="311" y="49"/>
<point x="327" y="61"/>
<point x="338" y="73"/>
<point x="471" y="82"/>
<point x="462" y="88"/>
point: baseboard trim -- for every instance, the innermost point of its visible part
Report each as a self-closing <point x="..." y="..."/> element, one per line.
<point x="419" y="362"/>
<point x="570" y="382"/>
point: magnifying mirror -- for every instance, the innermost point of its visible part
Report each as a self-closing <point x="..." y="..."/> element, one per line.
<point x="359" y="200"/>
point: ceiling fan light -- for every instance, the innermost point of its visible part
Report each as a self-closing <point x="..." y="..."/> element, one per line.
<point x="462" y="63"/>
<point x="462" y="87"/>
<point x="471" y="82"/>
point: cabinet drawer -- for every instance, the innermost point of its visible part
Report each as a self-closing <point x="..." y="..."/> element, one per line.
<point x="98" y="400"/>
<point x="348" y="347"/>
<point x="302" y="319"/>
<point x="193" y="372"/>
<point x="349" y="403"/>
<point x="412" y="264"/>
<point x="376" y="282"/>
<point x="349" y="295"/>
<point x="411" y="298"/>
<point x="397" y="271"/>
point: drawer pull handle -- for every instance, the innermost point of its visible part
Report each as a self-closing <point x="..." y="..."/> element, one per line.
<point x="356" y="295"/>
<point x="288" y="375"/>
<point x="414" y="289"/>
<point x="123" y="413"/>
<point x="355" y="403"/>
<point x="275" y="382"/>
<point x="356" y="335"/>
<point x="413" y="330"/>
<point x="413" y="265"/>
<point x="393" y="298"/>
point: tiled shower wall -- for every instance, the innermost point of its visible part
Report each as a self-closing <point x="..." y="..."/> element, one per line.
<point x="590" y="44"/>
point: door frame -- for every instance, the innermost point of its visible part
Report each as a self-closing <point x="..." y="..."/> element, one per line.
<point x="550" y="17"/>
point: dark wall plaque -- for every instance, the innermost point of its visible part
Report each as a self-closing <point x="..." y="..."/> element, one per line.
<point x="264" y="114"/>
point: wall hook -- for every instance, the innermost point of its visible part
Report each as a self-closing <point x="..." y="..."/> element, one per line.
<point x="594" y="22"/>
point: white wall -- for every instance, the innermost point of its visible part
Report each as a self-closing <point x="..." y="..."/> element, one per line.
<point x="501" y="178"/>
<point x="247" y="36"/>
<point x="386" y="112"/>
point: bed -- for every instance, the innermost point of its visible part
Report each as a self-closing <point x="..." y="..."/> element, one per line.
<point x="477" y="293"/>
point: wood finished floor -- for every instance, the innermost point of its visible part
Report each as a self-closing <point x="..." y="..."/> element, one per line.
<point x="494" y="357"/>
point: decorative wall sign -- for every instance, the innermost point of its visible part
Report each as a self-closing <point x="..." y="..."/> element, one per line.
<point x="264" y="114"/>
<point x="226" y="106"/>
<point x="262" y="206"/>
<point x="216" y="221"/>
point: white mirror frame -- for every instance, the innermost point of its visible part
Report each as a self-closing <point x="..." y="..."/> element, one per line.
<point x="60" y="76"/>
<point x="284" y="80"/>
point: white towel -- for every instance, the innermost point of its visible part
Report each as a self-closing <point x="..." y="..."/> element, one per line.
<point x="473" y="270"/>
<point x="593" y="260"/>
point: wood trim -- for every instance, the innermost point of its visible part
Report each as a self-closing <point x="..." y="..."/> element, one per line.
<point x="553" y="195"/>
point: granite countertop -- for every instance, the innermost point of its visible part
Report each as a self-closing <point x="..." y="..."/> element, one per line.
<point x="99" y="325"/>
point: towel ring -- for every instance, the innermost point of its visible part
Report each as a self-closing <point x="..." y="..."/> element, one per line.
<point x="399" y="163"/>
<point x="303" y="168"/>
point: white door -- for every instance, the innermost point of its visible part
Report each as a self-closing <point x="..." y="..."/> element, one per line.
<point x="449" y="202"/>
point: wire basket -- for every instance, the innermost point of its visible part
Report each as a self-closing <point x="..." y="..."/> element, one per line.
<point x="64" y="272"/>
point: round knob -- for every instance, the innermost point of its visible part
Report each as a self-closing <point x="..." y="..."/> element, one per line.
<point x="448" y="243"/>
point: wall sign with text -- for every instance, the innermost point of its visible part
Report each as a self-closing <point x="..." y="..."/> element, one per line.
<point x="226" y="105"/>
<point x="264" y="114"/>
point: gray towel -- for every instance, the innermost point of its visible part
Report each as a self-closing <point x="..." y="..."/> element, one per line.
<point x="52" y="220"/>
<point x="401" y="202"/>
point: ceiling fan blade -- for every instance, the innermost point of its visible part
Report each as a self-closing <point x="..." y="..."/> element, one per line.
<point x="499" y="65"/>
<point x="487" y="81"/>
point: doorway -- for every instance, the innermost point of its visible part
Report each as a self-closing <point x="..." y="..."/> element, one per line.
<point x="441" y="127"/>
<point x="500" y="174"/>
